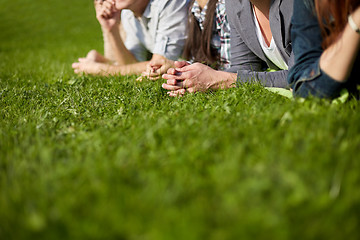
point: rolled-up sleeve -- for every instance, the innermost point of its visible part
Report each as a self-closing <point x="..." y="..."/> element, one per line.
<point x="132" y="42"/>
<point x="171" y="30"/>
<point x="242" y="58"/>
<point x="305" y="76"/>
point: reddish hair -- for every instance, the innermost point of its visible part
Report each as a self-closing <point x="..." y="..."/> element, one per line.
<point x="333" y="17"/>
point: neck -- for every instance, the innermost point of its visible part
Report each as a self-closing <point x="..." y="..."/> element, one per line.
<point x="263" y="6"/>
<point x="139" y="7"/>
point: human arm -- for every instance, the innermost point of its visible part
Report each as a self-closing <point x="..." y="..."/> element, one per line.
<point x="103" y="69"/>
<point x="108" y="53"/>
<point x="307" y="76"/>
<point x="114" y="47"/>
<point x="337" y="61"/>
<point x="267" y="78"/>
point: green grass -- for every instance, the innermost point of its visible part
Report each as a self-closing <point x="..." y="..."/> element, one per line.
<point x="110" y="158"/>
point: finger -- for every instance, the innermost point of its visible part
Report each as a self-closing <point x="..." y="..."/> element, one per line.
<point x="187" y="83"/>
<point x="156" y="62"/>
<point x="150" y="74"/>
<point x="180" y="91"/>
<point x="75" y="65"/>
<point x="180" y="64"/>
<point x="168" y="76"/>
<point x="83" y="59"/>
<point x="171" y="71"/>
<point x="107" y="4"/>
<point x="104" y="16"/>
<point x="170" y="87"/>
<point x="154" y="67"/>
<point x="155" y="70"/>
<point x="184" y="68"/>
<point x="154" y="78"/>
<point x="171" y="94"/>
<point x="191" y="90"/>
<point x="106" y="13"/>
<point x="171" y="82"/>
<point x="177" y="93"/>
<point x="139" y="79"/>
<point x="180" y="77"/>
<point x="184" y="84"/>
<point x="153" y="74"/>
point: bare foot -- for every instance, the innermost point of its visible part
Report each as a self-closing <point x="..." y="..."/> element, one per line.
<point x="90" y="67"/>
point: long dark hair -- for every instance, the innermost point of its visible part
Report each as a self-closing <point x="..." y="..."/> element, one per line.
<point x="198" y="43"/>
<point x="333" y="17"/>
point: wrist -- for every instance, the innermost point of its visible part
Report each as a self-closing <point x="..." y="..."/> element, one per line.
<point x="114" y="29"/>
<point x="225" y="79"/>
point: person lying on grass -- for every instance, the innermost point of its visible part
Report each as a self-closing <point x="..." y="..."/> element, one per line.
<point x="208" y="38"/>
<point x="154" y="30"/>
<point x="326" y="42"/>
<point x="260" y="39"/>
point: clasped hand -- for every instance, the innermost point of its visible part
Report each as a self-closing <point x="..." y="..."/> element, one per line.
<point x="190" y="78"/>
<point x="107" y="14"/>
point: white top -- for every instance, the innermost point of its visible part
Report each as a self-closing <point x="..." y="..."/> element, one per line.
<point x="271" y="52"/>
<point x="160" y="30"/>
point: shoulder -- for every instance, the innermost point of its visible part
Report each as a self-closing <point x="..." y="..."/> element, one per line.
<point x="127" y="17"/>
<point x="163" y="5"/>
<point x="126" y="13"/>
<point x="235" y="7"/>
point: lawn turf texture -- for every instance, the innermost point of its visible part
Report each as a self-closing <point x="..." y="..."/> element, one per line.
<point x="110" y="158"/>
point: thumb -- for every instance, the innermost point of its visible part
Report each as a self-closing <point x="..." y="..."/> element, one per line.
<point x="180" y="64"/>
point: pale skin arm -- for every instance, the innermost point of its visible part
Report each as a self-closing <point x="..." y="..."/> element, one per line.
<point x="337" y="61"/>
<point x="196" y="77"/>
<point x="104" y="69"/>
<point x="108" y="52"/>
<point x="109" y="19"/>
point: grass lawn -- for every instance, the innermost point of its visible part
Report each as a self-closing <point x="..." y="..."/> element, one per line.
<point x="111" y="158"/>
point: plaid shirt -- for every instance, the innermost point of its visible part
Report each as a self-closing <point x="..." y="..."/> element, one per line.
<point x="221" y="30"/>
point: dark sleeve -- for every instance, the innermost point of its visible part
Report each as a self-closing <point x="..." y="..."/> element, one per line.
<point x="306" y="40"/>
<point x="242" y="58"/>
<point x="267" y="79"/>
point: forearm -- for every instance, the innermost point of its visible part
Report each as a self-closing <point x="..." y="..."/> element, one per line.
<point x="267" y="79"/>
<point x="129" y="69"/>
<point x="337" y="61"/>
<point x="115" y="47"/>
<point x="108" y="51"/>
<point x="224" y="80"/>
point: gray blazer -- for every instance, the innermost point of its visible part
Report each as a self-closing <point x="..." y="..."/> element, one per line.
<point x="247" y="57"/>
